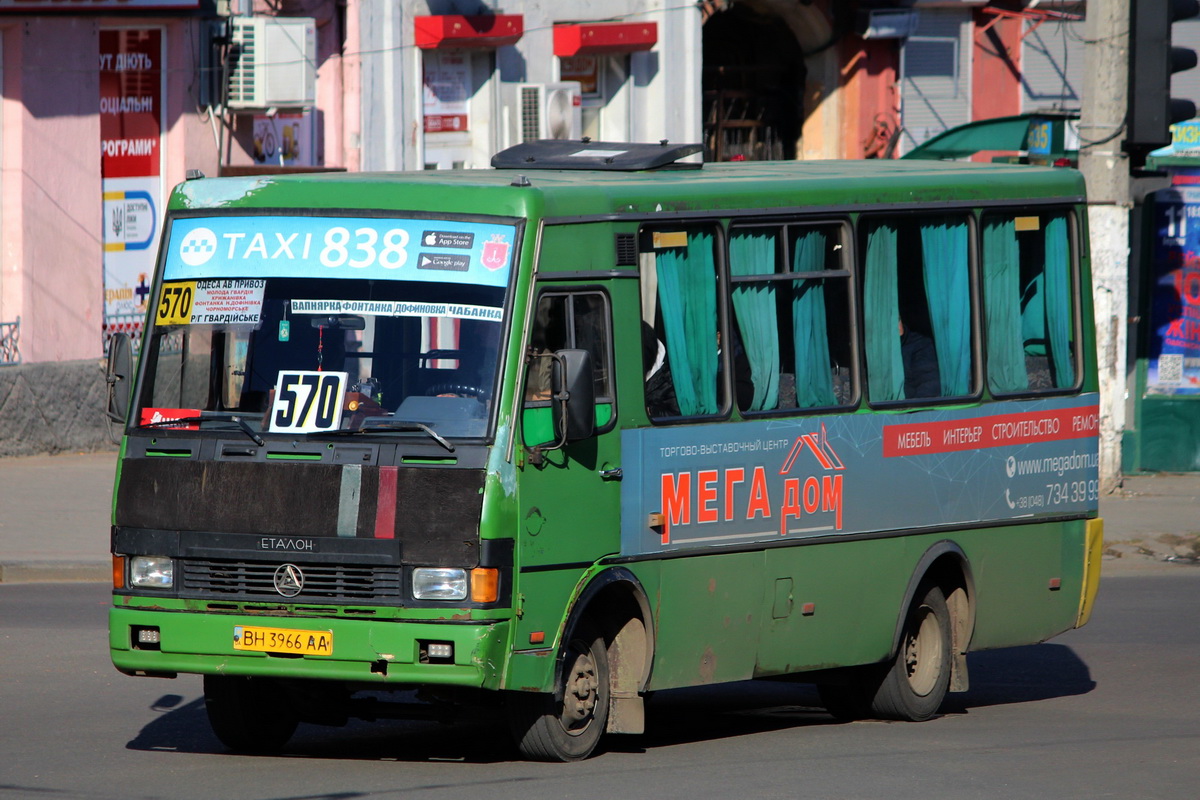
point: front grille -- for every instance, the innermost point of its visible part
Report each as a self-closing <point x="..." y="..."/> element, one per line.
<point x="321" y="581"/>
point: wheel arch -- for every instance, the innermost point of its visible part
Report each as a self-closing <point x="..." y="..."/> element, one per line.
<point x="946" y="566"/>
<point x="615" y="603"/>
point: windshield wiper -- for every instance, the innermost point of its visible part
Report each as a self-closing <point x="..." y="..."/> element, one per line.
<point x="372" y="425"/>
<point x="208" y="416"/>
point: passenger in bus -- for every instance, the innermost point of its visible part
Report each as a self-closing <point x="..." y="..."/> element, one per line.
<point x="921" y="375"/>
<point x="660" y="389"/>
<point x="743" y="380"/>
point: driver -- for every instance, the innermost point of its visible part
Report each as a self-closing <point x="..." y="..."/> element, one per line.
<point x="478" y="355"/>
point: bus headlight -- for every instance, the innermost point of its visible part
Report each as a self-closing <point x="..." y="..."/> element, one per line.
<point x="151" y="572"/>
<point x="439" y="583"/>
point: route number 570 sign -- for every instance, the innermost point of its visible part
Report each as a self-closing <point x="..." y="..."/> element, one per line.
<point x="307" y="401"/>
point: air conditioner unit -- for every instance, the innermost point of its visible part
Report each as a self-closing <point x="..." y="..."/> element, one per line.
<point x="272" y="63"/>
<point x="546" y="111"/>
<point x="888" y="23"/>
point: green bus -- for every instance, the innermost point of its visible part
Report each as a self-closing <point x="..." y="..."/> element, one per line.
<point x="598" y="422"/>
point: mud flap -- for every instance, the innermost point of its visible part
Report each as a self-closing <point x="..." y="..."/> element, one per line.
<point x="626" y="714"/>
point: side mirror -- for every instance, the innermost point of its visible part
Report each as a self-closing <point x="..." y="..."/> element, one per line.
<point x="573" y="395"/>
<point x="118" y="374"/>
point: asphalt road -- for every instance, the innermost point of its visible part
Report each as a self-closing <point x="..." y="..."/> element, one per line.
<point x="1108" y="711"/>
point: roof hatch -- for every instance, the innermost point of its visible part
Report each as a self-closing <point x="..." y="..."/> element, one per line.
<point x="586" y="154"/>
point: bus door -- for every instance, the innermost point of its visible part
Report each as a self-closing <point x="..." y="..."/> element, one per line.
<point x="570" y="492"/>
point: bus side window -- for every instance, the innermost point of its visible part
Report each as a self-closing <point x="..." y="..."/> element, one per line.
<point x="790" y="300"/>
<point x="575" y="320"/>
<point x="917" y="308"/>
<point x="1028" y="302"/>
<point x="680" y="339"/>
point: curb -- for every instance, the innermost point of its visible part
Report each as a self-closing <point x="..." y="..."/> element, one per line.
<point x="55" y="572"/>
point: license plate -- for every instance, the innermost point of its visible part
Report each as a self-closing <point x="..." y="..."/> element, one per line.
<point x="283" y="640"/>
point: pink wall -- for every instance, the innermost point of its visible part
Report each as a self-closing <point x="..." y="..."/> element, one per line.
<point x="190" y="143"/>
<point x="52" y="207"/>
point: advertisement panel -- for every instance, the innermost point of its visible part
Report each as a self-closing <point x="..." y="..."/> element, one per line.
<point x="447" y="91"/>
<point x="729" y="484"/>
<point x="380" y="248"/>
<point x="131" y="103"/>
<point x="1173" y="359"/>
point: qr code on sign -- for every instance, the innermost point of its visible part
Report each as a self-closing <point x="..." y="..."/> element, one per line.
<point x="1170" y="370"/>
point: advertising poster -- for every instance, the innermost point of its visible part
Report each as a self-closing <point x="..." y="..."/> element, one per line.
<point x="773" y="481"/>
<point x="131" y="99"/>
<point x="1174" y="353"/>
<point x="447" y="91"/>
<point x="283" y="139"/>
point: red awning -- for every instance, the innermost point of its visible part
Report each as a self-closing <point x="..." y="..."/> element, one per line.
<point x="451" y="30"/>
<point x="594" y="38"/>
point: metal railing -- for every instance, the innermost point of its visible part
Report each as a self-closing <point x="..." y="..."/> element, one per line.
<point x="10" y="340"/>
<point x="124" y="323"/>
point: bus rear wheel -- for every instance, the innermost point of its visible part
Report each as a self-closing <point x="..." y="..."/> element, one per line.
<point x="916" y="684"/>
<point x="249" y="715"/>
<point x="569" y="729"/>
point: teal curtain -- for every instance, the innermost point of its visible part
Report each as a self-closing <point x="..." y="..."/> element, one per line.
<point x="753" y="253"/>
<point x="814" y="378"/>
<point x="947" y="288"/>
<point x="1002" y="306"/>
<point x="881" y="301"/>
<point x="687" y="293"/>
<point x="1058" y="301"/>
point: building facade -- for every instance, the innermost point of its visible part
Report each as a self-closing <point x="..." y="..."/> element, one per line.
<point x="106" y="104"/>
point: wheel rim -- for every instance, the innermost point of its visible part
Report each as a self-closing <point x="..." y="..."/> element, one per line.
<point x="581" y="692"/>
<point x="923" y="652"/>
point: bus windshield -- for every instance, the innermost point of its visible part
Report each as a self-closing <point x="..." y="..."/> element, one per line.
<point x="322" y="325"/>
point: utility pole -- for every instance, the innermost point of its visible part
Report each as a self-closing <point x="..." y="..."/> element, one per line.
<point x="1106" y="169"/>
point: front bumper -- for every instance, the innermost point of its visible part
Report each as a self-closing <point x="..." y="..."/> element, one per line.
<point x="370" y="651"/>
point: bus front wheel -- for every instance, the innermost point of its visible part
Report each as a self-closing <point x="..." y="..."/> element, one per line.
<point x="547" y="729"/>
<point x="249" y="715"/>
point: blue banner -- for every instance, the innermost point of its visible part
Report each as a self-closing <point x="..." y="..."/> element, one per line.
<point x="377" y="248"/>
<point x="1173" y="365"/>
<point x="768" y="481"/>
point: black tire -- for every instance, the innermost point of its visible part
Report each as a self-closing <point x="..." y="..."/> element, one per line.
<point x="850" y="699"/>
<point x="249" y="715"/>
<point x="916" y="684"/>
<point x="568" y="730"/>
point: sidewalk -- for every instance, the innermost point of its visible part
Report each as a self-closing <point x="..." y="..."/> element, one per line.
<point x="55" y="517"/>
<point x="54" y="520"/>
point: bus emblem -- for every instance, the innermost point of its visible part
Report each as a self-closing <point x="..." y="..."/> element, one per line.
<point x="289" y="580"/>
<point x="198" y="247"/>
<point x="495" y="252"/>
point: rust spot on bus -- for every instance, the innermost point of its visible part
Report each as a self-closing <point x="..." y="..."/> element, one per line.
<point x="708" y="666"/>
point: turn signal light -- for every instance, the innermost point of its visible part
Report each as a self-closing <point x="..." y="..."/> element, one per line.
<point x="485" y="585"/>
<point x="118" y="574"/>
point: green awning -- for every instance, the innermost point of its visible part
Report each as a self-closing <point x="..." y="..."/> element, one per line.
<point x="999" y="133"/>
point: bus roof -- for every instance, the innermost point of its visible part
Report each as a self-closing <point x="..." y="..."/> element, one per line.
<point x="720" y="187"/>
